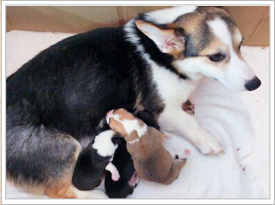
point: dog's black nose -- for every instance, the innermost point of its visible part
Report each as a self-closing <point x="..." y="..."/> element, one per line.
<point x="253" y="84"/>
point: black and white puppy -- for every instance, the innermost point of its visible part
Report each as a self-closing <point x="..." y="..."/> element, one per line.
<point x="128" y="177"/>
<point x="95" y="159"/>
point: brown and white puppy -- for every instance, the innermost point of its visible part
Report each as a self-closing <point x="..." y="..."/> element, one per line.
<point x="152" y="161"/>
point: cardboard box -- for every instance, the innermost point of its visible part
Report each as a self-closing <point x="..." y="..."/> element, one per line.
<point x="253" y="21"/>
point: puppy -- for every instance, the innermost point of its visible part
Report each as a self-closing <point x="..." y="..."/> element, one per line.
<point x="152" y="161"/>
<point x="128" y="177"/>
<point x="124" y="164"/>
<point x="95" y="159"/>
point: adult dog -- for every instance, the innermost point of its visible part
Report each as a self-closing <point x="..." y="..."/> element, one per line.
<point x="154" y="63"/>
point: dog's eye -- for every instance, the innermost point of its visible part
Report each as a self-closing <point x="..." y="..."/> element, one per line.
<point x="217" y="57"/>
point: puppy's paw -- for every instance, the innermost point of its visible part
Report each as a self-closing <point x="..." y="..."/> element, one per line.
<point x="115" y="176"/>
<point x="210" y="146"/>
<point x="187" y="152"/>
<point x="134" y="180"/>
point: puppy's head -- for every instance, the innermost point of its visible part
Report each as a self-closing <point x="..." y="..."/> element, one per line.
<point x="123" y="122"/>
<point x="205" y="41"/>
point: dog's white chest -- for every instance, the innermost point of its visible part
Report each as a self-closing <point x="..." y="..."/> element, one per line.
<point x="171" y="88"/>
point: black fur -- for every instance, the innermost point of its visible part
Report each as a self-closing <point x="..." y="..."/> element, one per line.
<point x="148" y="119"/>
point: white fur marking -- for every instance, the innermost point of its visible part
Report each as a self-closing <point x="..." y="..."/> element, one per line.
<point x="171" y="88"/>
<point x="131" y="125"/>
<point x="220" y="29"/>
<point x="111" y="168"/>
<point x="169" y="15"/>
<point x="104" y="145"/>
<point x="133" y="141"/>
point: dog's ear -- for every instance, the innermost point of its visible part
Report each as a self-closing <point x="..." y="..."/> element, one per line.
<point x="167" y="40"/>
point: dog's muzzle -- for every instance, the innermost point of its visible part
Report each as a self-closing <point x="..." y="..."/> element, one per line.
<point x="253" y="84"/>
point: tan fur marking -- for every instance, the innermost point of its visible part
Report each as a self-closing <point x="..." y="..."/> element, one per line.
<point x="62" y="188"/>
<point x="190" y="22"/>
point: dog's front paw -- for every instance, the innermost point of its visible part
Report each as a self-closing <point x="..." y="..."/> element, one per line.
<point x="115" y="176"/>
<point x="210" y="146"/>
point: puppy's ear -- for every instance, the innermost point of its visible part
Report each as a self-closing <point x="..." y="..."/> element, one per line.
<point x="117" y="139"/>
<point x="167" y="40"/>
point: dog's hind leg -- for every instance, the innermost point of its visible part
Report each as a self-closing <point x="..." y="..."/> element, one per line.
<point x="175" y="170"/>
<point x="41" y="160"/>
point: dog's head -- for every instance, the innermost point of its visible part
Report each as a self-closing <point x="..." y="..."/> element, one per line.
<point x="207" y="41"/>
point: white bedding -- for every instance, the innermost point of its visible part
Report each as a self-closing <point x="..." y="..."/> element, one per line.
<point x="237" y="120"/>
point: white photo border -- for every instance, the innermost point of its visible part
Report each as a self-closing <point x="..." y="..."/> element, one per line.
<point x="138" y="3"/>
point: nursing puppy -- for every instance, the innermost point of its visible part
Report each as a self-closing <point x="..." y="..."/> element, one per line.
<point x="152" y="161"/>
<point x="95" y="159"/>
<point x="128" y="180"/>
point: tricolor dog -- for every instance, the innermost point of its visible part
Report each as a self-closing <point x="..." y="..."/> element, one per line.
<point x="152" y="161"/>
<point x="155" y="62"/>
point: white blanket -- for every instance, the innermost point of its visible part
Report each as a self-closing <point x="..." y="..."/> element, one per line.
<point x="240" y="121"/>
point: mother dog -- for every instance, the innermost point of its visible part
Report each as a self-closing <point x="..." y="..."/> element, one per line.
<point x="154" y="63"/>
